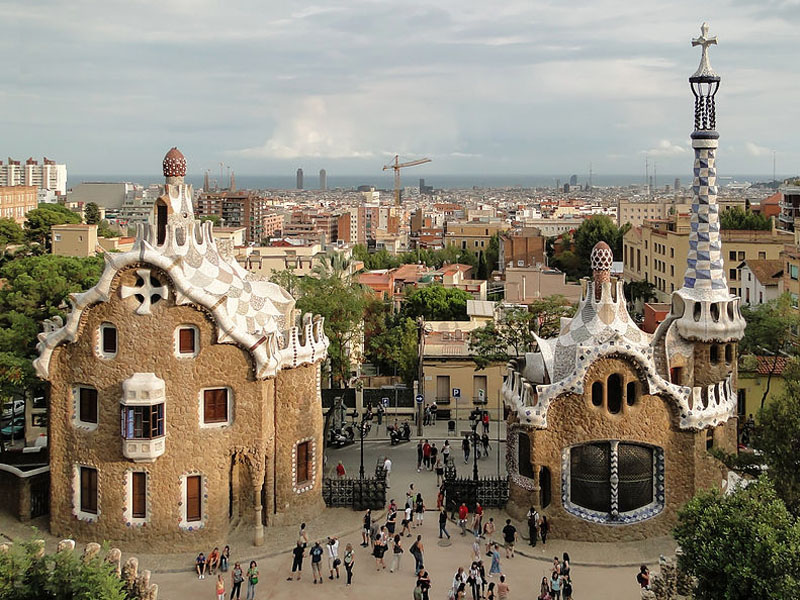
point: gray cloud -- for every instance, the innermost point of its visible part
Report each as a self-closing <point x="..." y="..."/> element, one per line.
<point x="520" y="86"/>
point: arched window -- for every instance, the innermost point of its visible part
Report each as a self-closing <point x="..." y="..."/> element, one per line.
<point x="614" y="393"/>
<point x="697" y="309"/>
<point x="524" y="465"/>
<point x="728" y="353"/>
<point x="715" y="312"/>
<point x="631" y="393"/>
<point x="544" y="487"/>
<point x="597" y="393"/>
<point x="713" y="352"/>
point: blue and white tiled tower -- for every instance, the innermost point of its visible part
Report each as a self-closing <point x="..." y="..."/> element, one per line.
<point x="699" y="337"/>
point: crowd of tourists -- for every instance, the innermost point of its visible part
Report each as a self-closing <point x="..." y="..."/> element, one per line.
<point x="217" y="563"/>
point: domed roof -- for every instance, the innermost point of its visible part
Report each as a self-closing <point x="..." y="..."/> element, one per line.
<point x="602" y="257"/>
<point x="174" y="163"/>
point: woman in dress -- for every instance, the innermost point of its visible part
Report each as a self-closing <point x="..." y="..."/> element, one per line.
<point x="495" y="568"/>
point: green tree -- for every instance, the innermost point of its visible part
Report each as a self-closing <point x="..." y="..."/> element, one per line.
<point x="741" y="546"/>
<point x="777" y="437"/>
<point x="437" y="303"/>
<point x="593" y="230"/>
<point x="40" y="220"/>
<point x="103" y="230"/>
<point x="10" y="233"/>
<point x="25" y="574"/>
<point x="568" y="262"/>
<point x="639" y="290"/>
<point x="769" y="332"/>
<point x="342" y="303"/>
<point x="391" y="341"/>
<point x="736" y="218"/>
<point x="91" y="214"/>
<point x="288" y="280"/>
<point x="215" y="219"/>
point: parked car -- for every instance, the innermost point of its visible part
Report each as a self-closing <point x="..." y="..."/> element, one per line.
<point x="13" y="408"/>
<point x="15" y="428"/>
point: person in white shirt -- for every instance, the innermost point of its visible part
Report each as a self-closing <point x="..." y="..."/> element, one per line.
<point x="333" y="556"/>
<point x="387" y="466"/>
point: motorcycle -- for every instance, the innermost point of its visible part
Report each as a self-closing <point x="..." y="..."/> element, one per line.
<point x="400" y="434"/>
<point x="341" y="437"/>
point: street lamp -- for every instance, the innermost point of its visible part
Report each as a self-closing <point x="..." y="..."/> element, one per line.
<point x="474" y="419"/>
<point x="362" y="426"/>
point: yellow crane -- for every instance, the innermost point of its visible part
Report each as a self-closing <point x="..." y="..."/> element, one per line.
<point x="397" y="165"/>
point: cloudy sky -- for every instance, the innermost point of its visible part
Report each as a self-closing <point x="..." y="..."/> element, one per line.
<point x="507" y="86"/>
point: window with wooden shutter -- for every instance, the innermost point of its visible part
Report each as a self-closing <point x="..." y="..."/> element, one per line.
<point x="215" y="405"/>
<point x="186" y="340"/>
<point x="303" y="466"/>
<point x="109" y="339"/>
<point x="87" y="405"/>
<point x="88" y="498"/>
<point x="193" y="504"/>
<point x="139" y="494"/>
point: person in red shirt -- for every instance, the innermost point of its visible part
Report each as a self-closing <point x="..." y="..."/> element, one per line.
<point x="463" y="511"/>
<point x="486" y="422"/>
<point x="476" y="521"/>
<point x="340" y="472"/>
<point x="426" y="454"/>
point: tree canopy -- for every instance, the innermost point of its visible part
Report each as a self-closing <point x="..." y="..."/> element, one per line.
<point x="437" y="303"/>
<point x="10" y="233"/>
<point x="91" y="214"/>
<point x="741" y="546"/>
<point x="41" y="219"/>
<point x="736" y="218"/>
<point x="382" y="259"/>
<point x="594" y="229"/>
<point x="391" y="341"/>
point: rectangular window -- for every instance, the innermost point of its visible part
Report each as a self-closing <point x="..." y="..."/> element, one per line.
<point x="109" y="339"/>
<point x="762" y="256"/>
<point x="215" y="405"/>
<point x="741" y="256"/>
<point x="139" y="494"/>
<point x="303" y="462"/>
<point x="89" y="490"/>
<point x="87" y="405"/>
<point x="186" y="340"/>
<point x="672" y="252"/>
<point x="142" y="422"/>
<point x="793" y="271"/>
<point x="193" y="503"/>
<point x="732" y="274"/>
<point x="732" y="255"/>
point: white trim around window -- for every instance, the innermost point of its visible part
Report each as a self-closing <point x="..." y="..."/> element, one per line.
<point x="99" y="342"/>
<point x="81" y="515"/>
<point x="76" y="408"/>
<point x="127" y="512"/>
<point x="177" y="341"/>
<point x="201" y="408"/>
<point x="185" y="523"/>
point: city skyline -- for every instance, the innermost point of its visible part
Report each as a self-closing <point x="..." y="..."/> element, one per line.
<point x="527" y="88"/>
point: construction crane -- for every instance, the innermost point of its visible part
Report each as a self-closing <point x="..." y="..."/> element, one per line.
<point x="397" y="165"/>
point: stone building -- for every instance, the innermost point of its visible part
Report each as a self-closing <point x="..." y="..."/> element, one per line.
<point x="610" y="427"/>
<point x="183" y="398"/>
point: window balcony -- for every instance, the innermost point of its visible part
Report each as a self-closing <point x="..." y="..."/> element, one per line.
<point x="142" y="417"/>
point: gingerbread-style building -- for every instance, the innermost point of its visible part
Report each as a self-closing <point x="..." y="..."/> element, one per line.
<point x="184" y="396"/>
<point x="610" y="427"/>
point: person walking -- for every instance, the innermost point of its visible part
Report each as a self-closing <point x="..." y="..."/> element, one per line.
<point x="397" y="554"/>
<point x="252" y="578"/>
<point x="533" y="526"/>
<point x="566" y="588"/>
<point x="419" y="510"/>
<point x="434" y="456"/>
<point x="564" y="570"/>
<point x="477" y="520"/>
<point x="476" y="549"/>
<point x="502" y="589"/>
<point x="418" y="552"/>
<point x="406" y="523"/>
<point x="316" y="561"/>
<point x="488" y="534"/>
<point x="297" y="563"/>
<point x="349" y="561"/>
<point x="426" y="454"/>
<point x="465" y="447"/>
<point x="418" y="591"/>
<point x="366" y="528"/>
<point x="446" y="451"/>
<point x="494" y="569"/>
<point x="387" y="467"/>
<point x="379" y="550"/>
<point x="510" y="538"/>
<point x="333" y="557"/>
<point x="544" y="589"/>
<point x="463" y="512"/>
<point x="459" y="579"/>
<point x="544" y="529"/>
<point x="302" y="535"/>
<point x="643" y="577"/>
<point x="443" y="523"/>
<point x="220" y="587"/>
<point x="485" y="443"/>
<point x="474" y="581"/>
<point x="485" y="420"/>
<point x="340" y="472"/>
<point x="490" y="595"/>
<point x="439" y="471"/>
<point x="424" y="579"/>
<point x="237" y="577"/>
<point x="391" y="517"/>
<point x="420" y="455"/>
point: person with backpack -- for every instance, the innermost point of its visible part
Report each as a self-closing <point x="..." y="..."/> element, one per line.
<point x="316" y="561"/>
<point x="417" y="551"/>
<point x="533" y="526"/>
<point x="643" y="577"/>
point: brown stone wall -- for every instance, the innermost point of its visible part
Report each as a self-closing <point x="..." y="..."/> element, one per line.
<point x="575" y="420"/>
<point x="707" y="372"/>
<point x="146" y="344"/>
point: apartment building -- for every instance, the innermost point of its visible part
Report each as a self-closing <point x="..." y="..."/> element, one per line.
<point x="48" y="175"/>
<point x="656" y="250"/>
<point x="521" y="248"/>
<point x="16" y="201"/>
<point x="760" y="280"/>
<point x="473" y="235"/>
<point x="243" y="208"/>
<point x="790" y="206"/>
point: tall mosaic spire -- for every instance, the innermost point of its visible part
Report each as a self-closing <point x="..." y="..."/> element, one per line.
<point x="704" y="269"/>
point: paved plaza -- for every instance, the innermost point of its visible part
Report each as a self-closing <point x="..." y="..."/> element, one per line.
<point x="599" y="571"/>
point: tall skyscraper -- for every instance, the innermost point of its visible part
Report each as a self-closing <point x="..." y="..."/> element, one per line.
<point x="323" y="180"/>
<point x="573" y="180"/>
<point x="677" y="184"/>
<point x="47" y="176"/>
<point x="299" y="179"/>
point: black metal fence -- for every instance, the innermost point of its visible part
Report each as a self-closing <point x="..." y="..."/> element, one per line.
<point x="491" y="492"/>
<point x="348" y="396"/>
<point x="398" y="397"/>
<point x="358" y="494"/>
